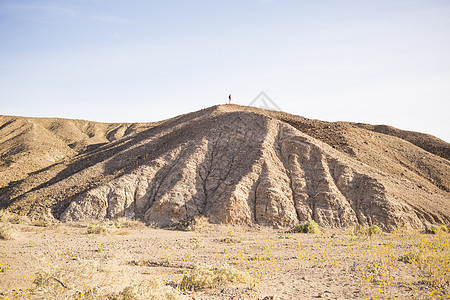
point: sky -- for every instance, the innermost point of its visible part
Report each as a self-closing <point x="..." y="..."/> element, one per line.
<point x="376" y="62"/>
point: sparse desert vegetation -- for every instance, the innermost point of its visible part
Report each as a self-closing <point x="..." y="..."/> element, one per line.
<point x="319" y="206"/>
<point x="73" y="261"/>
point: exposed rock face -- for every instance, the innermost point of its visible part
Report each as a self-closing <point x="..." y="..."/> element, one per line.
<point x="241" y="166"/>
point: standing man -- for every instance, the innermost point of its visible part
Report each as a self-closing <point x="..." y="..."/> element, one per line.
<point x="229" y="99"/>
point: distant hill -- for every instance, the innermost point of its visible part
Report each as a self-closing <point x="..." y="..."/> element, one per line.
<point x="232" y="164"/>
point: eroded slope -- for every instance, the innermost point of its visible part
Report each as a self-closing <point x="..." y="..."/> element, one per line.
<point x="243" y="165"/>
<point x="28" y="145"/>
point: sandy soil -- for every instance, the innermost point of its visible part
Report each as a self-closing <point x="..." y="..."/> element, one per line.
<point x="334" y="264"/>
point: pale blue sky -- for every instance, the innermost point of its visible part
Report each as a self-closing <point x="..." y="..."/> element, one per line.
<point x="379" y="62"/>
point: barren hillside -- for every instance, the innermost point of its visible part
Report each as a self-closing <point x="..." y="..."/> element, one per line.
<point x="232" y="164"/>
<point x="31" y="144"/>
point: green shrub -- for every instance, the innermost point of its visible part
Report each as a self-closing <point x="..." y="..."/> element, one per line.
<point x="308" y="227"/>
<point x="412" y="257"/>
<point x="435" y="229"/>
<point x="373" y="230"/>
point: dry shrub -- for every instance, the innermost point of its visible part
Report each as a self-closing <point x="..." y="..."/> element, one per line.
<point x="6" y="232"/>
<point x="203" y="276"/>
<point x="196" y="223"/>
<point x="42" y="223"/>
<point x="85" y="279"/>
<point x="4" y="215"/>
<point x="116" y="226"/>
<point x="8" y="217"/>
<point x="128" y="223"/>
<point x="148" y="289"/>
<point x="412" y="257"/>
<point x="16" y="219"/>
<point x="200" y="223"/>
<point x="184" y="225"/>
<point x="100" y="228"/>
<point x="228" y="240"/>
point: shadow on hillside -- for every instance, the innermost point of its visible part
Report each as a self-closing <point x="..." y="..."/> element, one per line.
<point x="186" y="138"/>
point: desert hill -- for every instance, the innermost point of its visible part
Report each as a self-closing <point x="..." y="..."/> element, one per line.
<point x="229" y="163"/>
<point x="30" y="144"/>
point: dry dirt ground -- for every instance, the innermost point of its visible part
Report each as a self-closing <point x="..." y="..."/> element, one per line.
<point x="131" y="261"/>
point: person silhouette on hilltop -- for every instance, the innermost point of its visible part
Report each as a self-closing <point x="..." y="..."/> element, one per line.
<point x="229" y="99"/>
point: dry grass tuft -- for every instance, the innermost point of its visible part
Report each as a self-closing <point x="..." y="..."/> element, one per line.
<point x="203" y="276"/>
<point x="116" y="226"/>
